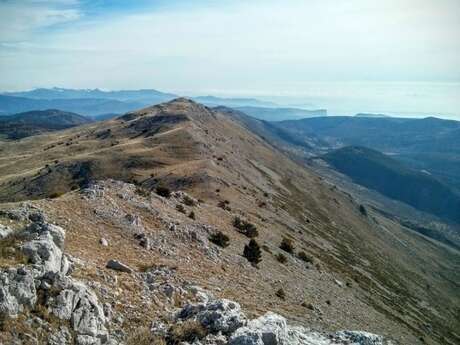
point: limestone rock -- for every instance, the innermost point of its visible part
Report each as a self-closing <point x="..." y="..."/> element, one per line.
<point x="4" y="231"/>
<point x="217" y="315"/>
<point x="270" y="329"/>
<point x="17" y="291"/>
<point x="61" y="337"/>
<point x="79" y="304"/>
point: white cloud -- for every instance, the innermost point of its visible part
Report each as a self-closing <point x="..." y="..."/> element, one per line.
<point x="20" y="19"/>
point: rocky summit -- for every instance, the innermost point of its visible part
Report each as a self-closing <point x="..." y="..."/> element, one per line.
<point x="176" y="224"/>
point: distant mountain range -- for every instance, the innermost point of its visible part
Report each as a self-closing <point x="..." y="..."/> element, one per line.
<point x="394" y="179"/>
<point x="36" y="122"/>
<point x="102" y="104"/>
<point x="145" y="95"/>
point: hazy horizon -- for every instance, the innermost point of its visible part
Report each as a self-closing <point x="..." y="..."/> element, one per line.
<point x="395" y="57"/>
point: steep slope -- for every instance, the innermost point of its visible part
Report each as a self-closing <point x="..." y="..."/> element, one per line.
<point x="34" y="122"/>
<point x="375" y="170"/>
<point x="358" y="272"/>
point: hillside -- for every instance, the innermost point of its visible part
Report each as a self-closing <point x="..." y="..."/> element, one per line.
<point x="388" y="176"/>
<point x="429" y="144"/>
<point x="339" y="269"/>
<point x="35" y="122"/>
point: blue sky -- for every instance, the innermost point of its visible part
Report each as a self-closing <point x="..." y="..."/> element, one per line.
<point x="258" y="47"/>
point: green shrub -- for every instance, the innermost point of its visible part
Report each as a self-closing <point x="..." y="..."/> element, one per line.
<point x="281" y="258"/>
<point x="163" y="191"/>
<point x="305" y="257"/>
<point x="252" y="252"/>
<point x="287" y="245"/>
<point x="220" y="239"/>
<point x="191" y="215"/>
<point x="246" y="228"/>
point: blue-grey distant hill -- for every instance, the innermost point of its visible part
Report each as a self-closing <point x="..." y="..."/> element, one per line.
<point x="84" y="106"/>
<point x="148" y="96"/>
<point x="101" y="104"/>
<point x="394" y="179"/>
<point x="36" y="122"/>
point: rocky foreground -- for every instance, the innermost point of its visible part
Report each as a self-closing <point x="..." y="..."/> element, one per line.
<point x="41" y="302"/>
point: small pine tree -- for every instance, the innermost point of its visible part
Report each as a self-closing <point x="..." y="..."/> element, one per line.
<point x="163" y="191"/>
<point x="252" y="252"/>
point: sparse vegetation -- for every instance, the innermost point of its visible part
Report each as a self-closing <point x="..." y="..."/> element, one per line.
<point x="181" y="208"/>
<point x="56" y="195"/>
<point x="10" y="253"/>
<point x="305" y="257"/>
<point x="244" y="227"/>
<point x="163" y="191"/>
<point x="189" y="201"/>
<point x="281" y="258"/>
<point x="224" y="205"/>
<point x="187" y="331"/>
<point x="191" y="215"/>
<point x="220" y="239"/>
<point x="143" y="336"/>
<point x="252" y="252"/>
<point x="287" y="245"/>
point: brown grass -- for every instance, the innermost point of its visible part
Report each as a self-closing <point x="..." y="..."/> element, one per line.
<point x="143" y="336"/>
<point x="189" y="330"/>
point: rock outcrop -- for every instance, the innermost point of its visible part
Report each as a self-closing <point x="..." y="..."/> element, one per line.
<point x="46" y="275"/>
<point x="226" y="324"/>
